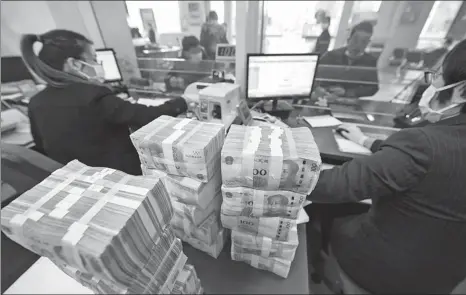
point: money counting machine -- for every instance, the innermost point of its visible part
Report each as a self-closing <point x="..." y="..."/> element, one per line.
<point x="214" y="102"/>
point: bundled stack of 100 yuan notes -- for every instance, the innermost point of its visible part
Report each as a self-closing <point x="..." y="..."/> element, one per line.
<point x="187" y="153"/>
<point x="101" y="222"/>
<point x="267" y="173"/>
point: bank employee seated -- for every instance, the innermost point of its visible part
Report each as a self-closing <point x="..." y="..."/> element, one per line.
<point x="76" y="116"/>
<point x="354" y="70"/>
<point x="413" y="239"/>
<point x="189" y="71"/>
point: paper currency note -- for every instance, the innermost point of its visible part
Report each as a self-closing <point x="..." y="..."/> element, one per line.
<point x="257" y="203"/>
<point x="277" y="266"/>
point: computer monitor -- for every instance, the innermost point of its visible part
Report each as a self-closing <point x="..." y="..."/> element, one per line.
<point x="109" y="62"/>
<point x="280" y="76"/>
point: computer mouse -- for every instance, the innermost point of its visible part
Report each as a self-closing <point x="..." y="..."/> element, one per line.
<point x="339" y="130"/>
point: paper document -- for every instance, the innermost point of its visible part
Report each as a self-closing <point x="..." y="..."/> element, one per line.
<point x="322" y="121"/>
<point x="152" y="102"/>
<point x="347" y="146"/>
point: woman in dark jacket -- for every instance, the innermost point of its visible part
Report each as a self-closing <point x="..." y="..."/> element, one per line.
<point x="413" y="239"/>
<point x="78" y="117"/>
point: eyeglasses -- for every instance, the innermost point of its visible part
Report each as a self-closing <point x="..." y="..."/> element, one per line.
<point x="430" y="76"/>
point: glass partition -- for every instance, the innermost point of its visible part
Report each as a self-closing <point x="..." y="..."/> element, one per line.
<point x="171" y="76"/>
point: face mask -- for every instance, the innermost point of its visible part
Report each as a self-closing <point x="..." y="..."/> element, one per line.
<point x="97" y="71"/>
<point x="429" y="94"/>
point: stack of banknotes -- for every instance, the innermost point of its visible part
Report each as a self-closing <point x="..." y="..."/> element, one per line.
<point x="109" y="230"/>
<point x="181" y="147"/>
<point x="194" y="186"/>
<point x="267" y="173"/>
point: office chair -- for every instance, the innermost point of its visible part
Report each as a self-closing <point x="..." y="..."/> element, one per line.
<point x="398" y="57"/>
<point x="14" y="69"/>
<point x="22" y="169"/>
<point x="415" y="59"/>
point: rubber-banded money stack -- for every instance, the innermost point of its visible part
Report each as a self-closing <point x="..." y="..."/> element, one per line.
<point x="186" y="154"/>
<point x="108" y="230"/>
<point x="267" y="173"/>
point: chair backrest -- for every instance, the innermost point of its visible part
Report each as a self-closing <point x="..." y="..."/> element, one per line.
<point x="14" y="69"/>
<point x="399" y="53"/>
<point x="414" y="56"/>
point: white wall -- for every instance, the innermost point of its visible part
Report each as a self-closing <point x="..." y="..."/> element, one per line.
<point x="188" y="27"/>
<point x="38" y="17"/>
<point x="23" y="17"/>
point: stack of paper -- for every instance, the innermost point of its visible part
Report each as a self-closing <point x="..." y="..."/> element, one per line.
<point x="181" y="147"/>
<point x="102" y="224"/>
<point x="267" y="173"/>
<point x="186" y="154"/>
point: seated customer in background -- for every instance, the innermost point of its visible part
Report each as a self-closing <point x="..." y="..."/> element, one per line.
<point x="78" y="117"/>
<point x="350" y="63"/>
<point x="193" y="53"/>
<point x="413" y="238"/>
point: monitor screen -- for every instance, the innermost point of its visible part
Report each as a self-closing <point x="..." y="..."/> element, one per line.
<point x="276" y="76"/>
<point x="110" y="65"/>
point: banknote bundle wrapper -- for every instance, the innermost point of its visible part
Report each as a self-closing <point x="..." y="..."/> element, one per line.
<point x="181" y="147"/>
<point x="208" y="237"/>
<point x="102" y="223"/>
<point x="245" y="243"/>
<point x="187" y="282"/>
<point x="187" y="190"/>
<point x="277" y="266"/>
<point x="270" y="159"/>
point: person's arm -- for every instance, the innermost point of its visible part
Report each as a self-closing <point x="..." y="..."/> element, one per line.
<point x="400" y="164"/>
<point x="118" y="111"/>
<point x="39" y="147"/>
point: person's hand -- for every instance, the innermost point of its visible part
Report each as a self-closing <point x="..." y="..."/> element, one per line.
<point x="337" y="90"/>
<point x="322" y="102"/>
<point x="354" y="133"/>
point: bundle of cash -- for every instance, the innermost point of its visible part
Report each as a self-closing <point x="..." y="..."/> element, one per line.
<point x="206" y="232"/>
<point x="277" y="228"/>
<point x="275" y="265"/>
<point x="101" y="222"/>
<point x="242" y="201"/>
<point x="212" y="249"/>
<point x="181" y="147"/>
<point x="270" y="158"/>
<point x="187" y="190"/>
<point x="157" y="277"/>
<point x="242" y="242"/>
<point x="195" y="214"/>
<point x="187" y="281"/>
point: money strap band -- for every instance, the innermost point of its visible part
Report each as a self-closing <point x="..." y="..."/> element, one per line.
<point x="258" y="197"/>
<point x="276" y="161"/>
<point x="180" y="125"/>
<point x="18" y="220"/>
<point x="291" y="143"/>
<point x="251" y="142"/>
<point x="167" y="147"/>
<point x="266" y="246"/>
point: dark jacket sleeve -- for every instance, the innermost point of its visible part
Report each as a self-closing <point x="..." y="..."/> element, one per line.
<point x="376" y="145"/>
<point x="322" y="43"/>
<point x="118" y="111"/>
<point x="35" y="133"/>
<point x="400" y="164"/>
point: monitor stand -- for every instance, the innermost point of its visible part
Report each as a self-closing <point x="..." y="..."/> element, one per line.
<point x="278" y="108"/>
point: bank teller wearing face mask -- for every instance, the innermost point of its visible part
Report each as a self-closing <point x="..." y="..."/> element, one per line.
<point x="76" y="116"/>
<point x="413" y="239"/>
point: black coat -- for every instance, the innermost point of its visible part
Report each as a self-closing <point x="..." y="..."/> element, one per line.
<point x="413" y="239"/>
<point x="89" y="123"/>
